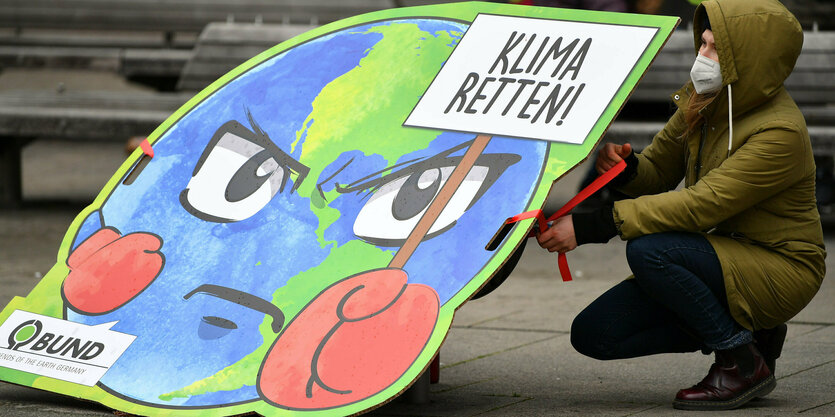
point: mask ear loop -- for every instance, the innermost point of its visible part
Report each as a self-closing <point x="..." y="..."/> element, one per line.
<point x="730" y="120"/>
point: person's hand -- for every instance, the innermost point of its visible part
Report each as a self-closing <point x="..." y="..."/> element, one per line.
<point x="559" y="237"/>
<point x="610" y="154"/>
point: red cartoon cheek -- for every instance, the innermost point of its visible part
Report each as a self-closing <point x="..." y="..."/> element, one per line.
<point x="352" y="341"/>
<point x="107" y="270"/>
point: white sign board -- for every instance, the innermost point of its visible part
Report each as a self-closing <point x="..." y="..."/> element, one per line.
<point x="60" y="349"/>
<point x="531" y="78"/>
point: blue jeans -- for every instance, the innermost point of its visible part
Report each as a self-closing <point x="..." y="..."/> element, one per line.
<point x="676" y="303"/>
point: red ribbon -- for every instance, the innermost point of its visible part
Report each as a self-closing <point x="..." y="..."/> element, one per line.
<point x="595" y="186"/>
<point x="146" y="148"/>
<point x="543" y="224"/>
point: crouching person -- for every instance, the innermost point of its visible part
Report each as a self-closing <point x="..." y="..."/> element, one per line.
<point x="721" y="264"/>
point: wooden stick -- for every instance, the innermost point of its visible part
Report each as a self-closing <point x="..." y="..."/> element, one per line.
<point x="439" y="203"/>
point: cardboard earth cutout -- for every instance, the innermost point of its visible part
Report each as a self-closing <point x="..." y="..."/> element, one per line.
<point x="273" y="255"/>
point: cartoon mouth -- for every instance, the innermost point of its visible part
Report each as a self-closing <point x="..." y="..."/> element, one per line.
<point x="240" y="298"/>
<point x="352" y="341"/>
<point x="107" y="270"/>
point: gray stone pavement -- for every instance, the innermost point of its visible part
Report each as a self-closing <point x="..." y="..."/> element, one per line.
<point x="507" y="354"/>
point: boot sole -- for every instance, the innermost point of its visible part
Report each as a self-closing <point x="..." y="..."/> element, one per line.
<point x="759" y="390"/>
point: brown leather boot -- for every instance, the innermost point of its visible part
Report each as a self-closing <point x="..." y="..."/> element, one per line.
<point x="738" y="376"/>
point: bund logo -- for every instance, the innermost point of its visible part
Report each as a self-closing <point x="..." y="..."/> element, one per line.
<point x="60" y="349"/>
<point x="53" y="344"/>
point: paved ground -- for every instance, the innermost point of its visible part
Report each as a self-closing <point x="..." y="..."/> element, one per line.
<point x="508" y="354"/>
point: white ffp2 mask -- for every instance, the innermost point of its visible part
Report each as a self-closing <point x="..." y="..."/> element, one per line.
<point x="706" y="76"/>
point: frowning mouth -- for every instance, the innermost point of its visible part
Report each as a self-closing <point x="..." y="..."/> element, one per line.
<point x="240" y="298"/>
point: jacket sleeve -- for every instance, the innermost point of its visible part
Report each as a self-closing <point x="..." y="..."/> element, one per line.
<point x="661" y="165"/>
<point x="767" y="163"/>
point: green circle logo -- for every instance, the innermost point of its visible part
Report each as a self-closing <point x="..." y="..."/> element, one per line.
<point x="24" y="333"/>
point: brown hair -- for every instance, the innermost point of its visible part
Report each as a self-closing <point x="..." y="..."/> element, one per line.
<point x="691" y="115"/>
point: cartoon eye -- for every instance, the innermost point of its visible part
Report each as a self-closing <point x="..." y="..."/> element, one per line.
<point x="239" y="172"/>
<point x="400" y="199"/>
<point x="395" y="208"/>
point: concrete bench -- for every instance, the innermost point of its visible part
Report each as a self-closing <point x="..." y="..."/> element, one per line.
<point x="103" y="115"/>
<point x="25" y="116"/>
<point x="174" y="16"/>
<point x="132" y="63"/>
<point x="219" y="48"/>
<point x="145" y="40"/>
<point x="223" y="46"/>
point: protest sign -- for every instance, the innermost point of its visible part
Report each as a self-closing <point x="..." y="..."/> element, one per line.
<point x="532" y="78"/>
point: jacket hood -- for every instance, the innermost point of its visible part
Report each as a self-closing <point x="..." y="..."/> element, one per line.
<point x="758" y="42"/>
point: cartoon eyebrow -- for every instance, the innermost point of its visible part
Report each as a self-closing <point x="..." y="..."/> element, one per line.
<point x="260" y="138"/>
<point x="354" y="187"/>
<point x="243" y="299"/>
<point x="426" y="163"/>
<point x="496" y="163"/>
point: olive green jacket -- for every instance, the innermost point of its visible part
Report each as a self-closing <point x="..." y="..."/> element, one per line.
<point x="756" y="206"/>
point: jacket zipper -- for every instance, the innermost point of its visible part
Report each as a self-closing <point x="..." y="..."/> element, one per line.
<point x="699" y="154"/>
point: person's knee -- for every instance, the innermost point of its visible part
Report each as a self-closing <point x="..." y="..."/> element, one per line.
<point x="586" y="337"/>
<point x="641" y="250"/>
<point x="647" y="258"/>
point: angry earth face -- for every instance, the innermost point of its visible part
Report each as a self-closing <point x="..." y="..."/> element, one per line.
<point x="253" y="255"/>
